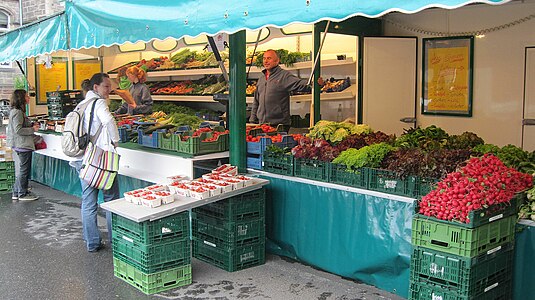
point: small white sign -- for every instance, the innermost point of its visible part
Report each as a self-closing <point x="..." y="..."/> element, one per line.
<point x="220" y="40"/>
<point x="6" y="65"/>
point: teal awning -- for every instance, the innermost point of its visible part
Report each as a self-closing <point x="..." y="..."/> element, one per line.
<point x="41" y="37"/>
<point x="95" y="23"/>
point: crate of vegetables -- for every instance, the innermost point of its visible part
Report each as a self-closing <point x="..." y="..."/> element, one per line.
<point x="263" y="129"/>
<point x="278" y="162"/>
<point x="469" y="242"/>
<point x="168" y="141"/>
<point x="484" y="215"/>
<point x="203" y="141"/>
<point x="481" y="192"/>
<point x="311" y="169"/>
<point x="147" y="140"/>
<point x="258" y="144"/>
<point x="340" y="174"/>
<point x="468" y="275"/>
<point x="388" y="182"/>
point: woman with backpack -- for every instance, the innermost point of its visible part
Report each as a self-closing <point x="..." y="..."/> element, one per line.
<point x="21" y="139"/>
<point x="104" y="134"/>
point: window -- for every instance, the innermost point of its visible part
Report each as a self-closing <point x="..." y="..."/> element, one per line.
<point x="4" y="21"/>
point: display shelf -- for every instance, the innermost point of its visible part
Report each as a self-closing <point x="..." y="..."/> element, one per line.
<point x="182" y="98"/>
<point x="215" y="70"/>
<point x="347" y="94"/>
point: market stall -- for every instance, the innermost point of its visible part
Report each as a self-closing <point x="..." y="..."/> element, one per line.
<point x="330" y="226"/>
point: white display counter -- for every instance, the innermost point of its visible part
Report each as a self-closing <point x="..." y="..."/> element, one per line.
<point x="148" y="166"/>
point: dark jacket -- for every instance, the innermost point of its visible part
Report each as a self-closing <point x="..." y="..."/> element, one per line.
<point x="20" y="133"/>
<point x="141" y="94"/>
<point x="272" y="97"/>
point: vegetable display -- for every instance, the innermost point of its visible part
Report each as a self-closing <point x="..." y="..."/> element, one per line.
<point x="429" y="138"/>
<point x="368" y="156"/>
<point x="336" y="131"/>
<point x="527" y="210"/>
<point x="484" y="181"/>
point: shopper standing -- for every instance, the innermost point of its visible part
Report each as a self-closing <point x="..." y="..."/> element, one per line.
<point x="20" y="137"/>
<point x="139" y="91"/>
<point x="107" y="140"/>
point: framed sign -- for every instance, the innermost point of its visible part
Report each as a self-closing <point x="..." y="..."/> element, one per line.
<point x="84" y="69"/>
<point x="51" y="79"/>
<point x="447" y="76"/>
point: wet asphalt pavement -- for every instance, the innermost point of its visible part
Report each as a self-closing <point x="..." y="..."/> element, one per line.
<point x="43" y="256"/>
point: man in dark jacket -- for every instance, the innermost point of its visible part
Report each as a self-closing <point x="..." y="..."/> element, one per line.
<point x="272" y="97"/>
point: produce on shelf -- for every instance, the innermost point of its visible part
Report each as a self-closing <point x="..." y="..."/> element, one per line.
<point x="286" y="57"/>
<point x="429" y="164"/>
<point x="484" y="181"/>
<point x="358" y="141"/>
<point x="527" y="210"/>
<point x="336" y="131"/>
<point x="333" y="85"/>
<point x="429" y="138"/>
<point x="467" y="140"/>
<point x="511" y="156"/>
<point x="367" y="156"/>
<point x="317" y="149"/>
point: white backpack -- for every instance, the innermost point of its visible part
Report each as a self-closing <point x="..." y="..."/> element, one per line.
<point x="74" y="139"/>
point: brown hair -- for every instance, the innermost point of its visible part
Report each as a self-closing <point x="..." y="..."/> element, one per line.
<point x="138" y="72"/>
<point x="18" y="100"/>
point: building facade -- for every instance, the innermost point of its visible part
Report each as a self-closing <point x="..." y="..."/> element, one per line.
<point x="32" y="10"/>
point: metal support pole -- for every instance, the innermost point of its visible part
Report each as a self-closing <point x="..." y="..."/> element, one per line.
<point x="315" y="109"/>
<point x="237" y="103"/>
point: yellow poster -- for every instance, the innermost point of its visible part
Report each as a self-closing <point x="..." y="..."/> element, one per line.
<point x="84" y="69"/>
<point x="448" y="79"/>
<point x="52" y="79"/>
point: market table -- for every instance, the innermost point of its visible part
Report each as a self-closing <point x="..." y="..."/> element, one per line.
<point x="140" y="213"/>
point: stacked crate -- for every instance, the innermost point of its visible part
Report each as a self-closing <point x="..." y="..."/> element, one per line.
<point x="61" y="103"/>
<point x="230" y="234"/>
<point x="153" y="256"/>
<point x="453" y="260"/>
<point x="7" y="176"/>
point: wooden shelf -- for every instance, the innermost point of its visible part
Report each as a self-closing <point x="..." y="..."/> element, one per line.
<point x="210" y="71"/>
<point x="182" y="98"/>
<point x="347" y="94"/>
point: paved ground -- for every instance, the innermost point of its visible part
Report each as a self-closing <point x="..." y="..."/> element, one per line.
<point x="42" y="256"/>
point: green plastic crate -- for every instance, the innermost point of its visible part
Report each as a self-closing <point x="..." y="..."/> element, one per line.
<point x="468" y="242"/>
<point x="7" y="176"/>
<point x="148" y="232"/>
<point x="246" y="206"/>
<point x="155" y="257"/>
<point x="196" y="146"/>
<point x="468" y="275"/>
<point x="339" y="174"/>
<point x="485" y="215"/>
<point x="6" y="186"/>
<point x="278" y="163"/>
<point x="7" y="166"/>
<point x="425" y="186"/>
<point x="231" y="260"/>
<point x="427" y="291"/>
<point x="168" y="141"/>
<point x="155" y="282"/>
<point x="227" y="234"/>
<point x="311" y="169"/>
<point x="387" y="182"/>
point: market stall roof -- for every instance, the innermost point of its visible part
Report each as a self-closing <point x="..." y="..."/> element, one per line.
<point x="40" y="37"/>
<point x="96" y="23"/>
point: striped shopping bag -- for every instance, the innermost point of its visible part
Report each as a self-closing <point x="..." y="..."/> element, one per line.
<point x="99" y="167"/>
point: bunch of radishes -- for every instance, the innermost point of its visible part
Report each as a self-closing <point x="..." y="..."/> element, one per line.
<point x="484" y="181"/>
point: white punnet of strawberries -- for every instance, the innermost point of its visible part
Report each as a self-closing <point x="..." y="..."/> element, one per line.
<point x="483" y="182"/>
